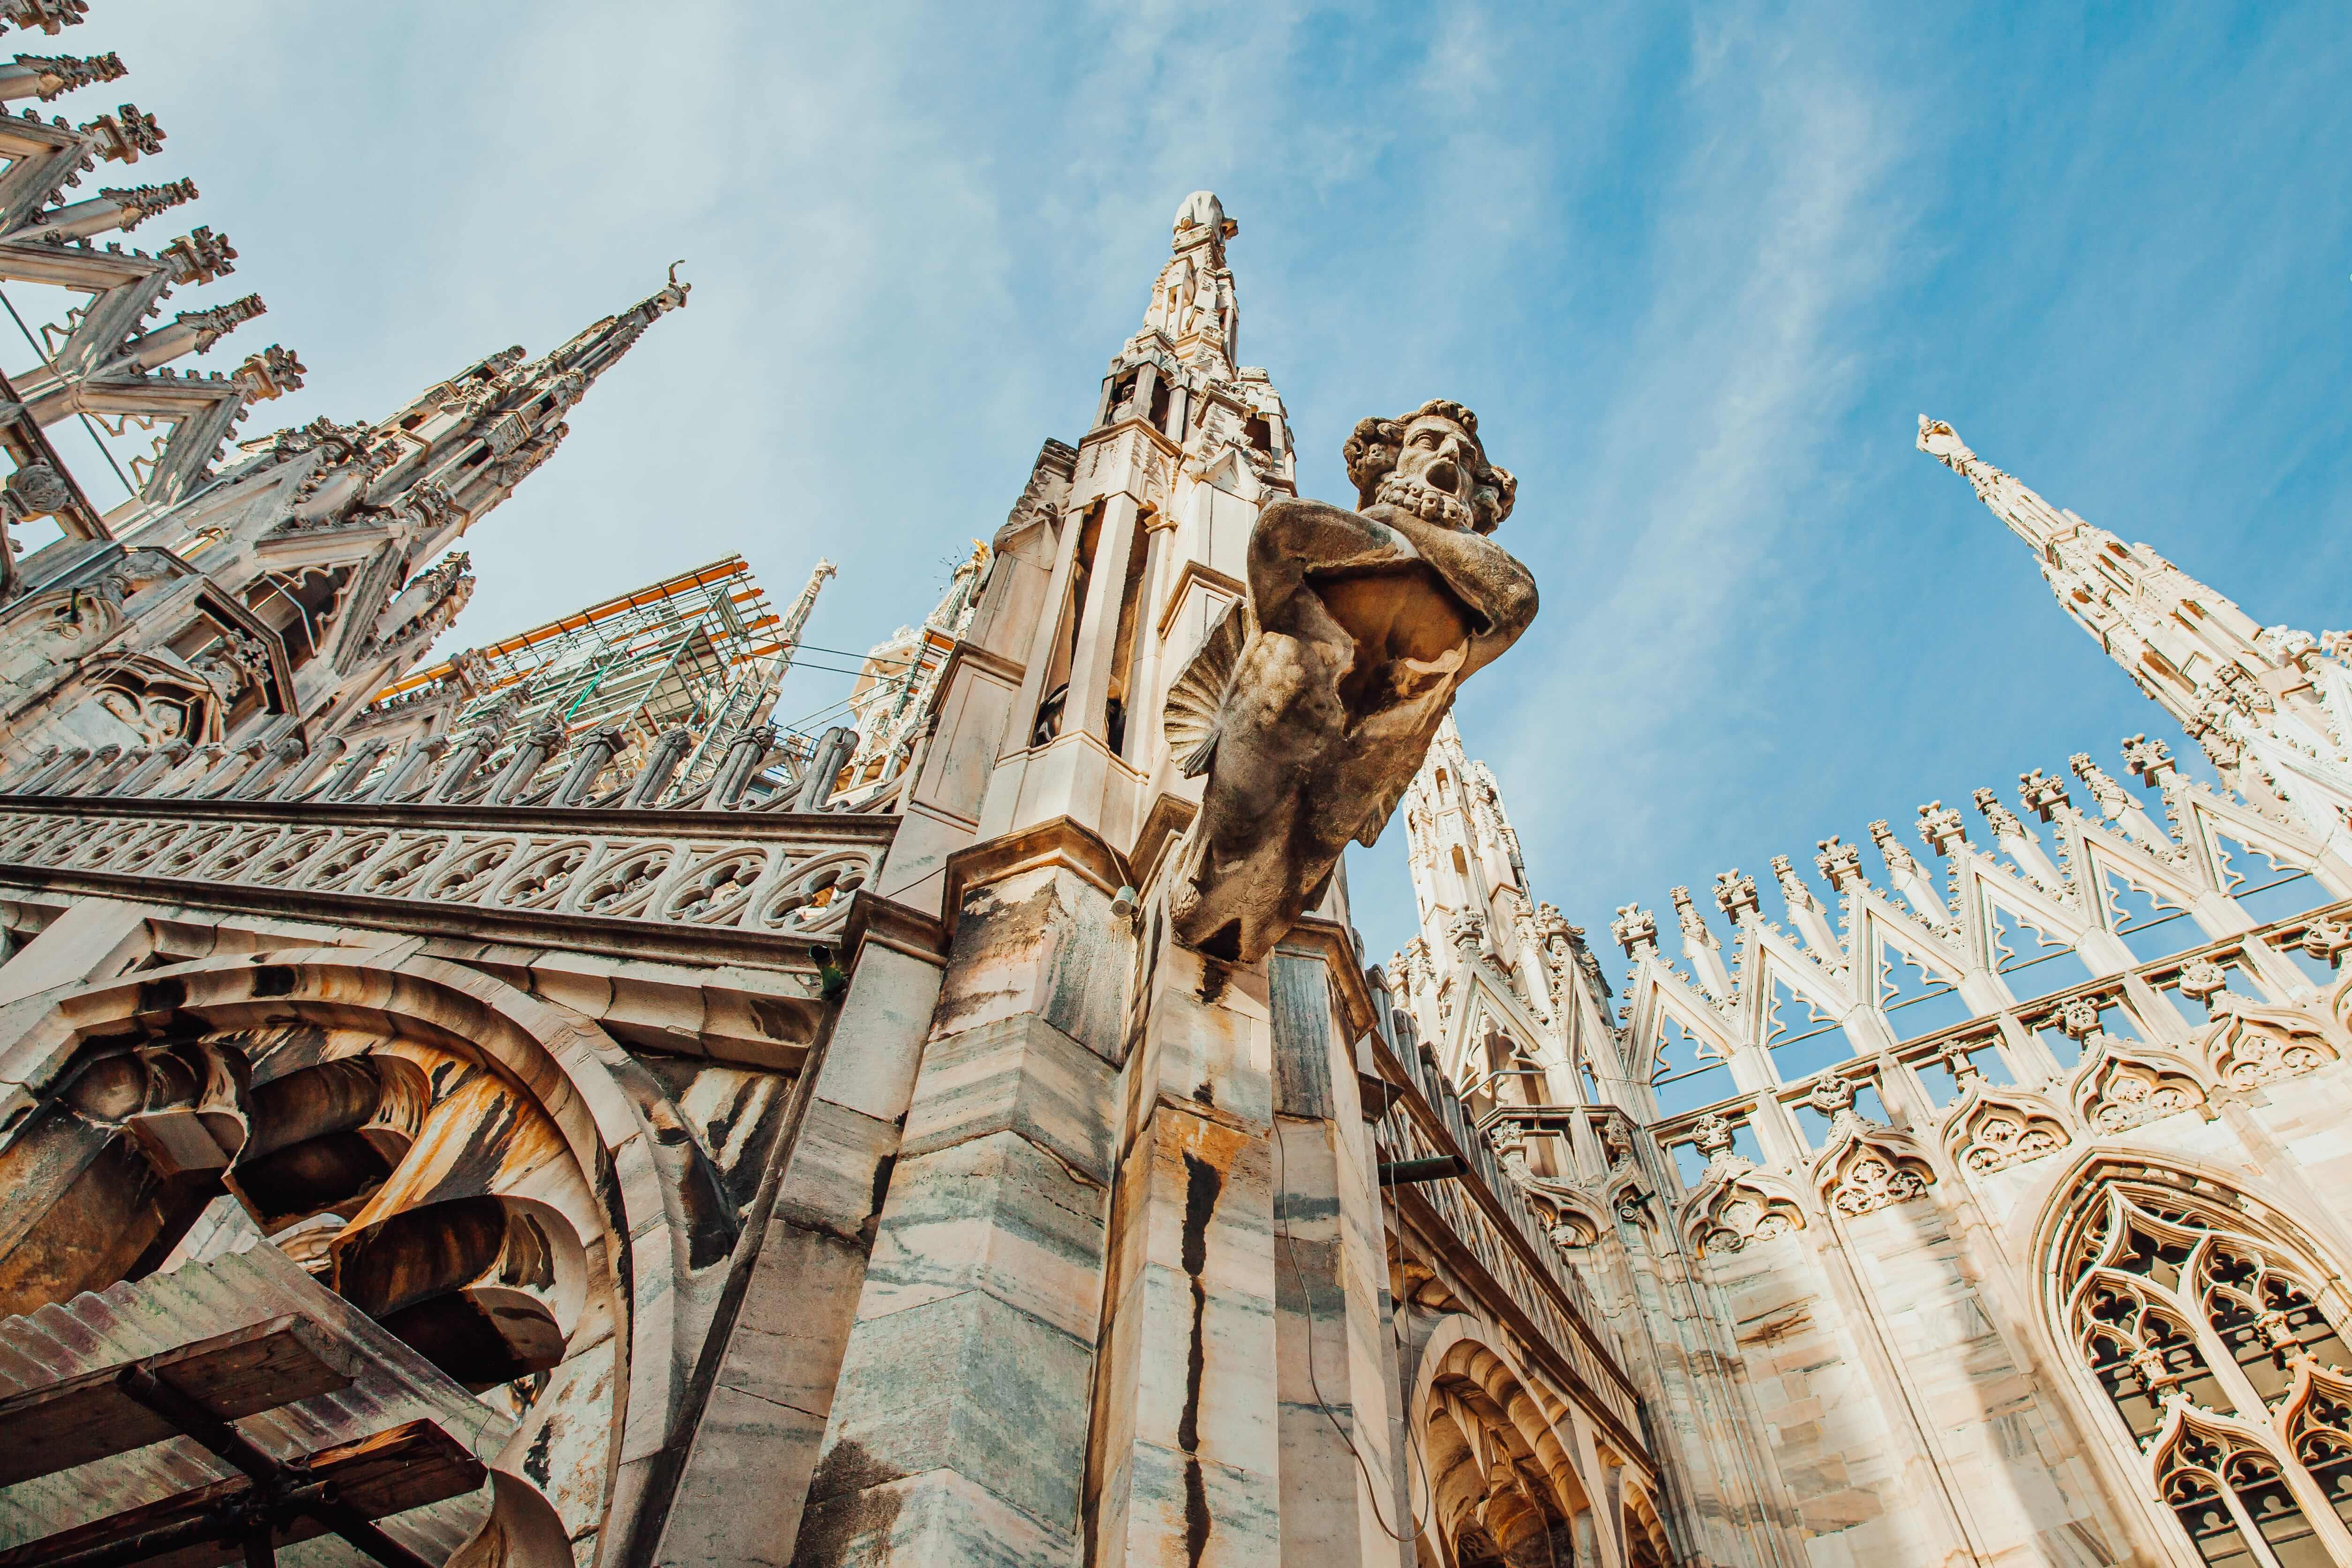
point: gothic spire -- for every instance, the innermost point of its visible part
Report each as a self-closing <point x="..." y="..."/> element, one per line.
<point x="433" y="469"/>
<point x="1487" y="947"/>
<point x="2271" y="707"/>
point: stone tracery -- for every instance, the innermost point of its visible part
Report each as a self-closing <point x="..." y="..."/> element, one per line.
<point x="2210" y="1336"/>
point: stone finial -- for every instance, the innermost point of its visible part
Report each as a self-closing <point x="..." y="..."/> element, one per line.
<point x="2291" y="648"/>
<point x="1832" y="1094"/>
<point x="2105" y="793"/>
<point x="2328" y="940"/>
<point x="2042" y="795"/>
<point x="271" y="373"/>
<point x="140" y="203"/>
<point x="1840" y="862"/>
<point x="1941" y="826"/>
<point x="1467" y="935"/>
<point x="50" y="16"/>
<point x="1635" y="928"/>
<point x="199" y="255"/>
<point x="211" y="326"/>
<point x="60" y="74"/>
<point x="34" y="490"/>
<point x="1686" y="914"/>
<point x="1202" y="217"/>
<point x="1792" y="886"/>
<point x="1961" y="1063"/>
<point x="122" y="136"/>
<point x="2149" y="761"/>
<point x="1735" y="894"/>
<point x="2078" y="1020"/>
<point x="2002" y="820"/>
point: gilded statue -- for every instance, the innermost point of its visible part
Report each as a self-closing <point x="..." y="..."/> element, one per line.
<point x="1311" y="704"/>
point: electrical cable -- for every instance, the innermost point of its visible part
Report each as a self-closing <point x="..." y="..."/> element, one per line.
<point x="850" y="654"/>
<point x="129" y="488"/>
<point x="1393" y="1213"/>
<point x="1282" y="1226"/>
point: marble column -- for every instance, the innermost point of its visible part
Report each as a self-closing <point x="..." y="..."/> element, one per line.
<point x="1336" y="1365"/>
<point x="1185" y="1460"/>
<point x="958" y="1428"/>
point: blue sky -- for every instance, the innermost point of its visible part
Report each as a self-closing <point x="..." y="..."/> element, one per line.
<point x="1698" y="269"/>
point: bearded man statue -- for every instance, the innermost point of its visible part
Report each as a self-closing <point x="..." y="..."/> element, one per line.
<point x="1311" y="704"/>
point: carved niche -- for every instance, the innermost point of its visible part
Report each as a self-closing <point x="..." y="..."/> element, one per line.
<point x="1873" y="1174"/>
<point x="1864" y="1166"/>
<point x="2117" y="1088"/>
<point x="2247" y="1045"/>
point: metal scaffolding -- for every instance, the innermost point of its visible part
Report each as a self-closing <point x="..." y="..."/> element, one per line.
<point x="671" y="654"/>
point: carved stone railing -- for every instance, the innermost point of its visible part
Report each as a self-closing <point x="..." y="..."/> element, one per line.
<point x="489" y="765"/>
<point x="1978" y="919"/>
<point x="761" y="887"/>
<point x="2143" y="1003"/>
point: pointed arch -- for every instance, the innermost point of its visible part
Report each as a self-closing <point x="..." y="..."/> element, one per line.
<point x="1736" y="1204"/>
<point x="2205" y="1331"/>
<point x="2249" y="1045"/>
<point x="1647" y="1543"/>
<point x="1502" y="1479"/>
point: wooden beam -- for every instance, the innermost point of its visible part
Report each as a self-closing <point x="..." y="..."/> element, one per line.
<point x="88" y="1417"/>
<point x="372" y="1476"/>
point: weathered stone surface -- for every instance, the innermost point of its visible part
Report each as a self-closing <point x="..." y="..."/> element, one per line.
<point x="937" y="1516"/>
<point x="1019" y="1075"/>
<point x="966" y="1383"/>
<point x="1036" y="943"/>
<point x="996" y="1214"/>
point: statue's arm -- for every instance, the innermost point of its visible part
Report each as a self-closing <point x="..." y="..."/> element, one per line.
<point x="1293" y="538"/>
<point x="1486" y="578"/>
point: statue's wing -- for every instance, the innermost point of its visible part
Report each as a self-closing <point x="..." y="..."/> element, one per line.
<point x="1197" y="697"/>
<point x="1376" y="819"/>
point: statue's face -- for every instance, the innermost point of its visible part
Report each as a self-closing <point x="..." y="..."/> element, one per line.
<point x="1439" y="454"/>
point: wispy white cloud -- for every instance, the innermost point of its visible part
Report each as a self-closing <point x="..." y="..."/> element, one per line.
<point x="1696" y="269"/>
<point x="1772" y="229"/>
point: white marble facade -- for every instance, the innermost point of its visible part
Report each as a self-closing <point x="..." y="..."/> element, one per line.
<point x="864" y="1172"/>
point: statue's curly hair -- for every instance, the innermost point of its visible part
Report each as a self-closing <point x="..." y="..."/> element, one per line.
<point x="1371" y="453"/>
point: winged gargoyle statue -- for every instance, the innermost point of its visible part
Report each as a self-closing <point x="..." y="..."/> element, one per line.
<point x="1312" y="703"/>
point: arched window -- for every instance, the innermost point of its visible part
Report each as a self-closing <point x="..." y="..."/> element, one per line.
<point x="2220" y="1351"/>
